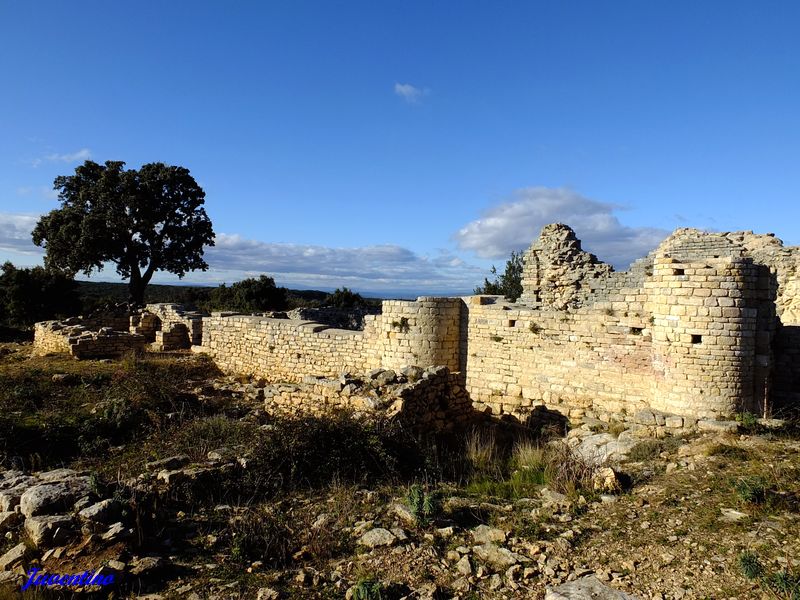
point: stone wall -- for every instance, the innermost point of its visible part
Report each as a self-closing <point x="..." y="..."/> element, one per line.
<point x="425" y="332"/>
<point x="284" y="349"/>
<point x="702" y="327"/>
<point x="50" y="338"/>
<point x="586" y="362"/>
<point x="166" y="316"/>
<point x="81" y="342"/>
<point x="432" y="399"/>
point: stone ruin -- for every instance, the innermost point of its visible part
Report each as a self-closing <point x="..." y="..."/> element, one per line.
<point x="705" y="326"/>
<point x="159" y="327"/>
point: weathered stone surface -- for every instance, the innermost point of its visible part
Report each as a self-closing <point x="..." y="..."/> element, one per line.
<point x="377" y="537"/>
<point x="42" y="530"/>
<point x="586" y="588"/>
<point x="718" y="426"/>
<point x="497" y="556"/>
<point x="13" y="557"/>
<point x="9" y="519"/>
<point x="115" y="532"/>
<point x="464" y="567"/>
<point x="606" y="480"/>
<point x="49" y="498"/>
<point x="145" y="564"/>
<point x="484" y="534"/>
<point x="103" y="512"/>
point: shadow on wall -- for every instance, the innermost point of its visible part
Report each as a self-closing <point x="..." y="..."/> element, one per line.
<point x="786" y="383"/>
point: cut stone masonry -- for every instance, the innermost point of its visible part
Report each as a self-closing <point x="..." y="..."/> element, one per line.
<point x="705" y="326"/>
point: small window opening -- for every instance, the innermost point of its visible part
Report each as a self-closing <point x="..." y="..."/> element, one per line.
<point x="677" y="271"/>
<point x="697" y="339"/>
<point x="636" y="330"/>
<point x="511" y="323"/>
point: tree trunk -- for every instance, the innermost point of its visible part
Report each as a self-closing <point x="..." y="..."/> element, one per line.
<point x="136" y="289"/>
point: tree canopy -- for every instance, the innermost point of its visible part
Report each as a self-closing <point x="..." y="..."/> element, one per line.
<point x="143" y="221"/>
<point x="509" y="283"/>
<point x="31" y="295"/>
<point x="249" y="295"/>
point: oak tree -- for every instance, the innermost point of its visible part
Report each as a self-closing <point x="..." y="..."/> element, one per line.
<point x="143" y="221"/>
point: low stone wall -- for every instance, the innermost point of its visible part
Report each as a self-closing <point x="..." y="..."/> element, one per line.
<point x="169" y="314"/>
<point x="74" y="338"/>
<point x="283" y="350"/>
<point x="432" y="400"/>
<point x="49" y="337"/>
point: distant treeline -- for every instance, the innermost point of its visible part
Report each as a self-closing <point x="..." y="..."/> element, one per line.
<point x="34" y="294"/>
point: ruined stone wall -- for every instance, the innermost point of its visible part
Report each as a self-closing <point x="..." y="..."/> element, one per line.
<point x="704" y="335"/>
<point x="435" y="400"/>
<point x="586" y="362"/>
<point x="174" y="314"/>
<point x="557" y="273"/>
<point x="425" y="332"/>
<point x="81" y="342"/>
<point x="283" y="349"/>
<point x="49" y="338"/>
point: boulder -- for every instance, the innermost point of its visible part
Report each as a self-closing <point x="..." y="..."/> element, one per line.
<point x="9" y="520"/>
<point x="43" y="530"/>
<point x="607" y="480"/>
<point x="49" y="498"/>
<point x="377" y="537"/>
<point x="483" y="534"/>
<point x="498" y="557"/>
<point x="171" y="463"/>
<point x="586" y="588"/>
<point x="13" y="557"/>
<point x="104" y="512"/>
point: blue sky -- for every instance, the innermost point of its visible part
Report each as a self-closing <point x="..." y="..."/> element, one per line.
<point x="404" y="147"/>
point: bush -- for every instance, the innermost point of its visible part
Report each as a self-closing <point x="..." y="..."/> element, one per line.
<point x="345" y="298"/>
<point x="424" y="505"/>
<point x="248" y="295"/>
<point x="31" y="295"/>
<point x="750" y="565"/>
<point x="309" y="451"/>
<point x="261" y="535"/>
<point x="368" y="589"/>
<point x="751" y="490"/>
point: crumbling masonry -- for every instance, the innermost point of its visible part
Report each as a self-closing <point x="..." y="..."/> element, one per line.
<point x="705" y="326"/>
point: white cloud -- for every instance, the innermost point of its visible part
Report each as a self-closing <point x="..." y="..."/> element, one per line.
<point x="372" y="268"/>
<point x="390" y="269"/>
<point x="513" y="225"/>
<point x="15" y="233"/>
<point x="409" y="93"/>
<point x="80" y="155"/>
<point x="71" y="157"/>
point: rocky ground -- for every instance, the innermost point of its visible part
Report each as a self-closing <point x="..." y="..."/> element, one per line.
<point x="186" y="498"/>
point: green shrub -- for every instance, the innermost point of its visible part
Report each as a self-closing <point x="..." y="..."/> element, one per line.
<point x="750" y="565"/>
<point x="751" y="490"/>
<point x="368" y="589"/>
<point x="424" y="505"/>
<point x="747" y="420"/>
